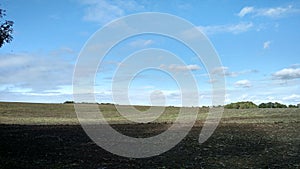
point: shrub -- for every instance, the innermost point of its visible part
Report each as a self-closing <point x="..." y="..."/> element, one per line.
<point x="272" y="105"/>
<point x="241" y="105"/>
<point x="69" y="102"/>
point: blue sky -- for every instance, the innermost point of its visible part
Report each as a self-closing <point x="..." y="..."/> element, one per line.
<point x="257" y="42"/>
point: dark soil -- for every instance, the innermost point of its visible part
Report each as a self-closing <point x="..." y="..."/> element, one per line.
<point x="231" y="146"/>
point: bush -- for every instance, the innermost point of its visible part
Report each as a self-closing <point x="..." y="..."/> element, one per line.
<point x="241" y="105"/>
<point x="293" y="106"/>
<point x="69" y="102"/>
<point x="272" y="105"/>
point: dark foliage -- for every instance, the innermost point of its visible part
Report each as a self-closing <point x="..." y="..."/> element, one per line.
<point x="68" y="102"/>
<point x="293" y="106"/>
<point x="6" y="29"/>
<point x="241" y="105"/>
<point x="272" y="105"/>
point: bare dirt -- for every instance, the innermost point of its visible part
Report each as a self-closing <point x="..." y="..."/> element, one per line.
<point x="231" y="146"/>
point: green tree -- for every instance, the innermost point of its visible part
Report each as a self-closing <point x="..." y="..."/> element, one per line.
<point x="262" y="105"/>
<point x="292" y="106"/>
<point x="6" y="29"/>
<point x="69" y="102"/>
<point x="241" y="105"/>
<point x="272" y="105"/>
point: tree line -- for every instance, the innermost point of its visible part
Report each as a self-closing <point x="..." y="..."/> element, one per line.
<point x="249" y="105"/>
<point x="6" y="29"/>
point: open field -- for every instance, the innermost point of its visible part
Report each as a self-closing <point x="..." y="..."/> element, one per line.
<point x="55" y="114"/>
<point x="48" y="136"/>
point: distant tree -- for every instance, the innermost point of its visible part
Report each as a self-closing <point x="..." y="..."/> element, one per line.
<point x="106" y="104"/>
<point x="235" y="105"/>
<point x="279" y="105"/>
<point x="68" y="102"/>
<point x="262" y="105"/>
<point x="241" y="105"/>
<point x="292" y="106"/>
<point x="272" y="105"/>
<point x="6" y="29"/>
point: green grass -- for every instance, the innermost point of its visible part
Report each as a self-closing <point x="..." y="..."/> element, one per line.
<point x="43" y="114"/>
<point x="34" y="113"/>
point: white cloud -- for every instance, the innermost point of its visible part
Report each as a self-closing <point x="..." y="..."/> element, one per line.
<point x="295" y="66"/>
<point x="244" y="97"/>
<point x="293" y="97"/>
<point x="267" y="12"/>
<point x="34" y="71"/>
<point x="8" y="61"/>
<point x="245" y="11"/>
<point x="63" y="51"/>
<point x="103" y="11"/>
<point x="243" y="83"/>
<point x="224" y="71"/>
<point x="287" y="73"/>
<point x="218" y="29"/>
<point x="266" y="44"/>
<point x="141" y="43"/>
<point x="270" y="98"/>
<point x="232" y="28"/>
<point x="174" y="67"/>
<point x="212" y="80"/>
<point x="274" y="12"/>
<point x="220" y="70"/>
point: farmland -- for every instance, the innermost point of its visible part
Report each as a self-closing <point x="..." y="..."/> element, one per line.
<point x="49" y="136"/>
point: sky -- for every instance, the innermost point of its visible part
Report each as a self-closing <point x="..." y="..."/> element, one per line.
<point x="258" y="43"/>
